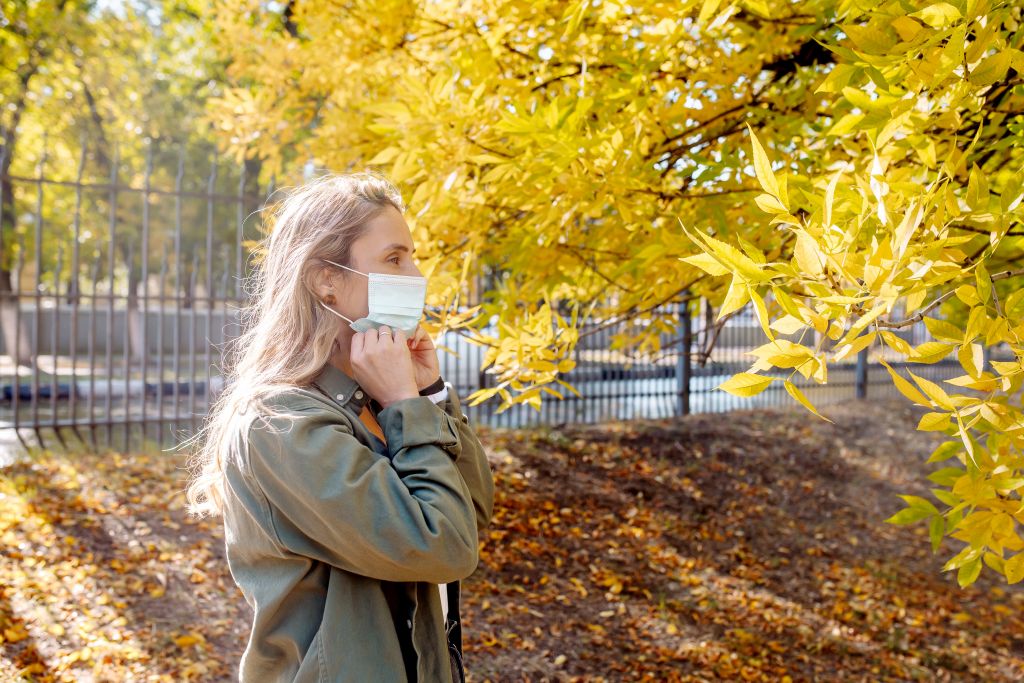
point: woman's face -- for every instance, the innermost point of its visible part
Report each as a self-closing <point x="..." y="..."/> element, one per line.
<point x="385" y="247"/>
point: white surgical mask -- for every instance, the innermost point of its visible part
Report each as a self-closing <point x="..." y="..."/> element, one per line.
<point x="394" y="300"/>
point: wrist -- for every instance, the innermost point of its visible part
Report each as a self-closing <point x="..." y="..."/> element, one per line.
<point x="432" y="388"/>
<point x="400" y="397"/>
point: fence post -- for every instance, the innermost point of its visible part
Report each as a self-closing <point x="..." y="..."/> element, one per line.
<point x="683" y="359"/>
<point x="862" y="373"/>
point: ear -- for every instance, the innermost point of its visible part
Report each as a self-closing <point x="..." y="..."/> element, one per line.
<point x="321" y="280"/>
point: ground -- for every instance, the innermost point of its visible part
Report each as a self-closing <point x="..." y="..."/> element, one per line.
<point x="740" y="546"/>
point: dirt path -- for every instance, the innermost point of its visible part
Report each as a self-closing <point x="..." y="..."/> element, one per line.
<point x="739" y="546"/>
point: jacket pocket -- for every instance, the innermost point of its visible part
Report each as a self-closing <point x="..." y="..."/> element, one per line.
<point x="313" y="668"/>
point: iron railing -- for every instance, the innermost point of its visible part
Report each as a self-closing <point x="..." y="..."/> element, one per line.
<point x="116" y="356"/>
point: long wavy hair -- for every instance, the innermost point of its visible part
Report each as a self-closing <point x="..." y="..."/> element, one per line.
<point x="287" y="337"/>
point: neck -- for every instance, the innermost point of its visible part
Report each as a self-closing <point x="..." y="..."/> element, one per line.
<point x="340" y="355"/>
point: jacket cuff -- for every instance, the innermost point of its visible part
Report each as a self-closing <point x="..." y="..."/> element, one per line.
<point x="417" y="421"/>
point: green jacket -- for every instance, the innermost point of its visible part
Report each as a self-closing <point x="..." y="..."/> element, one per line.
<point x="339" y="542"/>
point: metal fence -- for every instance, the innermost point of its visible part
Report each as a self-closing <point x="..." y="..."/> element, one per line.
<point x="117" y="344"/>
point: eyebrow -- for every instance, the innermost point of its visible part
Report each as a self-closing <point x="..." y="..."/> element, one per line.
<point x="395" y="246"/>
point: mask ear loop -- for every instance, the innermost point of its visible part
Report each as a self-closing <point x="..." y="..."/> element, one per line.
<point x="334" y="311"/>
<point x="328" y="307"/>
<point x="346" y="268"/>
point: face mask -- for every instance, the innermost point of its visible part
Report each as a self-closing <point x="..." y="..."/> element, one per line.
<point x="394" y="300"/>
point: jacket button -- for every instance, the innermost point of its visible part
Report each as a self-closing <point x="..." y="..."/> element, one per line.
<point x="340" y="397"/>
<point x="359" y="394"/>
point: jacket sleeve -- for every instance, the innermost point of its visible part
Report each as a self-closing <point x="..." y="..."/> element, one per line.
<point x="332" y="498"/>
<point x="472" y="463"/>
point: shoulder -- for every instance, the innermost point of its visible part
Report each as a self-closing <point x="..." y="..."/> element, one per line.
<point x="291" y="413"/>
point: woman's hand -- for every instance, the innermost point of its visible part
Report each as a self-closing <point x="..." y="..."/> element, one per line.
<point x="382" y="365"/>
<point x="424" y="358"/>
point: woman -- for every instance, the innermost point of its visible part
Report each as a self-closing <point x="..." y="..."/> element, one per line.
<point x="352" y="487"/>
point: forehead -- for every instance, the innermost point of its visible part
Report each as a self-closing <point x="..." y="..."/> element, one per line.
<point x="385" y="231"/>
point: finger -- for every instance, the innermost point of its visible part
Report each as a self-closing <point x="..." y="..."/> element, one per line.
<point x="400" y="337"/>
<point x="417" y="336"/>
<point x="358" y="343"/>
<point x="369" y="342"/>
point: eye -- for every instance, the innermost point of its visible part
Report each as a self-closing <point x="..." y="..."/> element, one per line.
<point x="395" y="259"/>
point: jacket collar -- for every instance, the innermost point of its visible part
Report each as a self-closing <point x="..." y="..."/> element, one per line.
<point x="344" y="389"/>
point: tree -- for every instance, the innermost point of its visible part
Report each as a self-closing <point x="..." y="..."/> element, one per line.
<point x="124" y="79"/>
<point x="829" y="163"/>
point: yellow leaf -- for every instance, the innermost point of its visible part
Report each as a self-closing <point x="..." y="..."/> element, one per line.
<point x="906" y="27"/>
<point x="830" y="194"/>
<point x="787" y="324"/>
<point x="782" y="353"/>
<point x="189" y="639"/>
<point x="930" y="352"/>
<point x="934" y="391"/>
<point x="730" y="256"/>
<point x="706" y="262"/>
<point x="855" y="346"/>
<point x="938" y="15"/>
<point x="991" y="69"/>
<point x="769" y="204"/>
<point x="763" y="167"/>
<point x="707" y="10"/>
<point x="905" y="387"/>
<point x="795" y="392"/>
<point x="933" y="422"/>
<point x="809" y="258"/>
<point x="971" y="357"/>
<point x="761" y="311"/>
<point x="864" y="321"/>
<point x="944" y="330"/>
<point x="968" y="294"/>
<point x="745" y="384"/>
<point x="384" y="156"/>
<point x="897" y="343"/>
<point x="1014" y="568"/>
<point x="735" y="298"/>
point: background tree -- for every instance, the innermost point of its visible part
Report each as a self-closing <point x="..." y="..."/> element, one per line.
<point x="836" y="165"/>
<point x="125" y="79"/>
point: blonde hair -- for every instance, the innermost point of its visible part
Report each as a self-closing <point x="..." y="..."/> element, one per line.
<point x="287" y="336"/>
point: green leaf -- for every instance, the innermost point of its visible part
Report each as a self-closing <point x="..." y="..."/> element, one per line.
<point x="946" y="476"/>
<point x="991" y="69"/>
<point x="936" y="530"/>
<point x="908" y="515"/>
<point x="968" y="572"/>
<point x="944" y="451"/>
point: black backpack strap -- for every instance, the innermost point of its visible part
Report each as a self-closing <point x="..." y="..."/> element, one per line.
<point x="453" y="628"/>
<point x="453" y="624"/>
